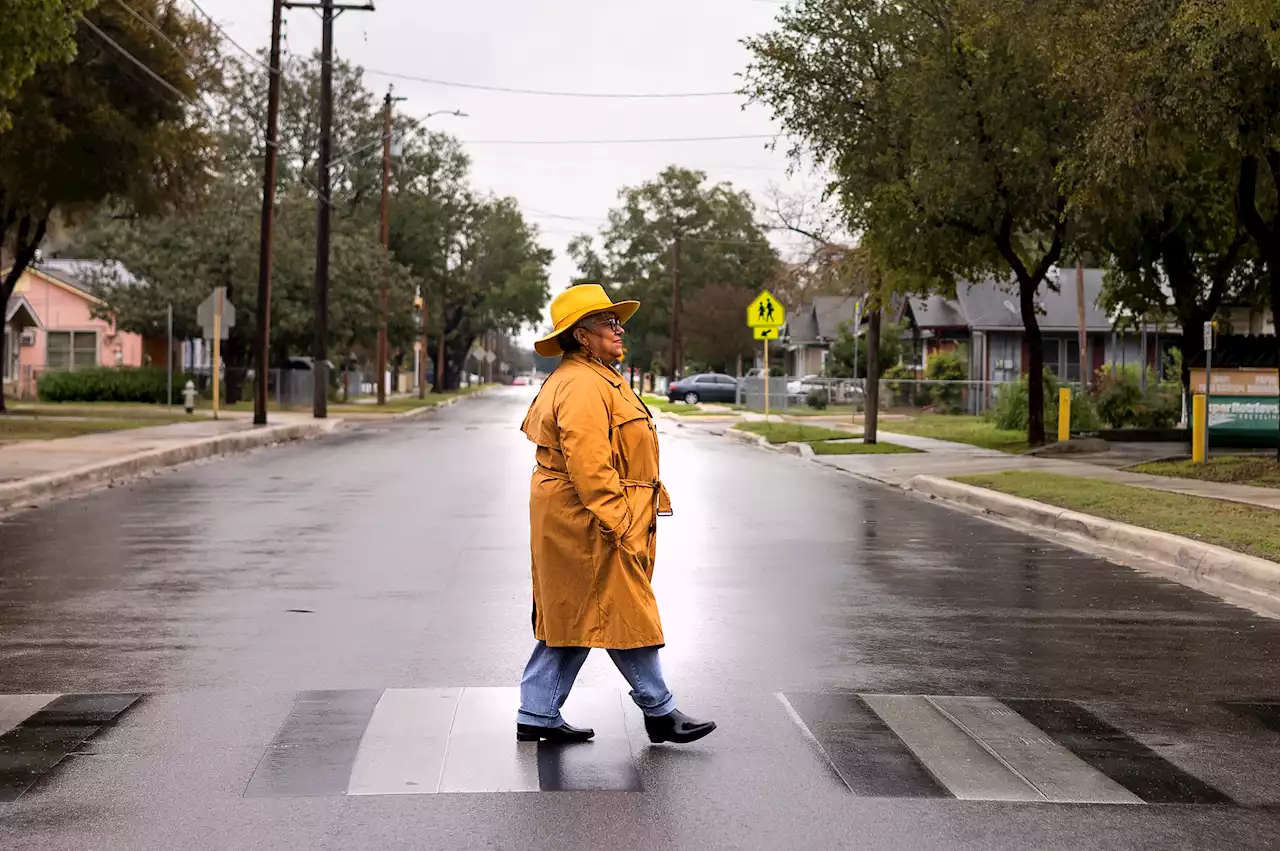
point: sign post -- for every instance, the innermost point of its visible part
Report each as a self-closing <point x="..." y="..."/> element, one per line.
<point x="1209" y="328"/>
<point x="765" y="316"/>
<point x="217" y="316"/>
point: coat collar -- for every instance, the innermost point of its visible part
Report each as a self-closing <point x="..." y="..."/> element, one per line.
<point x="603" y="371"/>
<point x="612" y="377"/>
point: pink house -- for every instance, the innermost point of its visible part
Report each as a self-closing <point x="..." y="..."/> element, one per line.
<point x="49" y="324"/>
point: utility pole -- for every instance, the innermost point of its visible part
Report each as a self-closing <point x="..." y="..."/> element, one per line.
<point x="676" y="353"/>
<point x="262" y="344"/>
<point x="386" y="243"/>
<point x="329" y="11"/>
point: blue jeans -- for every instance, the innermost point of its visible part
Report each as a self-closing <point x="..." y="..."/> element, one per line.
<point x="551" y="671"/>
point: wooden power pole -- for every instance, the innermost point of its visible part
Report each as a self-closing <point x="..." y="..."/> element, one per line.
<point x="676" y="353"/>
<point x="329" y="11"/>
<point x="262" y="343"/>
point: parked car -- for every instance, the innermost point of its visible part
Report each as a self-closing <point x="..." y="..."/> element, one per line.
<point x="708" y="387"/>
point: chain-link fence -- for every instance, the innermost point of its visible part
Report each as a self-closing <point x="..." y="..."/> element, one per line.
<point x="814" y="394"/>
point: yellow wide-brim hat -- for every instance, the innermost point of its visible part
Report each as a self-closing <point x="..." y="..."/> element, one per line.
<point x="574" y="303"/>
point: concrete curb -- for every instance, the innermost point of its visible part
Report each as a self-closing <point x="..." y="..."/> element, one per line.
<point x="748" y="437"/>
<point x="1245" y="577"/>
<point x="23" y="492"/>
<point x="804" y="450"/>
<point x="422" y="412"/>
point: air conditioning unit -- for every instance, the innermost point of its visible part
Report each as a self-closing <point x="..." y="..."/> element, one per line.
<point x="28" y="337"/>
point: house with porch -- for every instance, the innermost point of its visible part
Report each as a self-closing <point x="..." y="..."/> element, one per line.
<point x="811" y="329"/>
<point x="50" y="324"/>
<point x="984" y="317"/>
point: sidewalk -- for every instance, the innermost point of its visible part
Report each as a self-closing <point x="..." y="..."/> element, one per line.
<point x="31" y="470"/>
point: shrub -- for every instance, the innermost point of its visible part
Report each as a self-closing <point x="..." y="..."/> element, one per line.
<point x="1119" y="395"/>
<point x="948" y="366"/>
<point x="818" y="400"/>
<point x="1012" y="406"/>
<point x="105" y="384"/>
<point x="1122" y="404"/>
<point x="904" y="390"/>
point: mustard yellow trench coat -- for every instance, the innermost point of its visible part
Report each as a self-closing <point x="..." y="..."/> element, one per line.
<point x="593" y="508"/>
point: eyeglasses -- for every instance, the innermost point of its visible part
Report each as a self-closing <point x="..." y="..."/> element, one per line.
<point x="613" y="324"/>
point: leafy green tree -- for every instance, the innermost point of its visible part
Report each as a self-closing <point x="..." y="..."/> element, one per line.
<point x="840" y="363"/>
<point x="99" y="129"/>
<point x="1193" y="81"/>
<point x="714" y="327"/>
<point x="34" y="32"/>
<point x="721" y="242"/>
<point x="179" y="258"/>
<point x="498" y="283"/>
<point x="945" y="130"/>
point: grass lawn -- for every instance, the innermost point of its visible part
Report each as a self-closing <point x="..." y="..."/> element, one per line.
<point x="1259" y="471"/>
<point x="783" y="432"/>
<point x="52" y="428"/>
<point x="824" y="448"/>
<point x="669" y="407"/>
<point x="974" y="431"/>
<point x="102" y="410"/>
<point x="1244" y="528"/>
<point x="845" y="411"/>
<point x="395" y="405"/>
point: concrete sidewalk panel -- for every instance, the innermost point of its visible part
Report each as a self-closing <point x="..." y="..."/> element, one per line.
<point x="68" y="482"/>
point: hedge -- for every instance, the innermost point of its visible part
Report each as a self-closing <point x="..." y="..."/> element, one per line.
<point x="106" y="384"/>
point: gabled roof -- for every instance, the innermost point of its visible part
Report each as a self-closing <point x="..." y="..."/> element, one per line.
<point x="831" y="312"/>
<point x="84" y="275"/>
<point x="992" y="305"/>
<point x="820" y="320"/>
<point x="20" y="309"/>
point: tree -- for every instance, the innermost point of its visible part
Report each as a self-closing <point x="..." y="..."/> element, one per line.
<point x="840" y="363"/>
<point x="944" y="128"/>
<point x="1193" y="81"/>
<point x="499" y="282"/>
<point x="720" y="243"/>
<point x="99" y="128"/>
<point x="180" y="257"/>
<point x="713" y="321"/>
<point x="35" y="32"/>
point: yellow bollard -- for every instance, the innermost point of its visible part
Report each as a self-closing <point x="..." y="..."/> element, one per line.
<point x="1199" y="428"/>
<point x="1064" y="414"/>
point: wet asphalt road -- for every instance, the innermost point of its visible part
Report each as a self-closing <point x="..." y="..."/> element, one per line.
<point x="259" y="606"/>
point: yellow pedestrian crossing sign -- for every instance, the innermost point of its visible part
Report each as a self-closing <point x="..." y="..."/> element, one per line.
<point x="770" y="333"/>
<point x="765" y="312"/>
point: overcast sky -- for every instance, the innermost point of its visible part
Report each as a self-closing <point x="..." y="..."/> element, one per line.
<point x="588" y="46"/>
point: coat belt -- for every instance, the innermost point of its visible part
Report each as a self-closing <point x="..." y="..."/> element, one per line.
<point x="655" y="485"/>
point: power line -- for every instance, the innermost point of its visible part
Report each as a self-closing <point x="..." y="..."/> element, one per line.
<point x="138" y="16"/>
<point x="252" y="56"/>
<point x="143" y="67"/>
<point x="615" y="141"/>
<point x="545" y="92"/>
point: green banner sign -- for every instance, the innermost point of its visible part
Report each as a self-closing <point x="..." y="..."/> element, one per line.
<point x="1244" y="419"/>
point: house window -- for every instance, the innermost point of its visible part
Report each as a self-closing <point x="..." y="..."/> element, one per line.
<point x="1073" y="359"/>
<point x="1052" y="356"/>
<point x="72" y="349"/>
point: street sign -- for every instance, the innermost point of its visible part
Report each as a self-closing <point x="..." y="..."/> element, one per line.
<point x="770" y="333"/>
<point x="766" y="312"/>
<point x="1208" y="335"/>
<point x="205" y="314"/>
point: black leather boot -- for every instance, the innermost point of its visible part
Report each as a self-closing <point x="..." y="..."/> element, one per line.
<point x="563" y="734"/>
<point x="676" y="727"/>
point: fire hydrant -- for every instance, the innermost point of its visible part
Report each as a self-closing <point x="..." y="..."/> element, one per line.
<point x="189" y="397"/>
